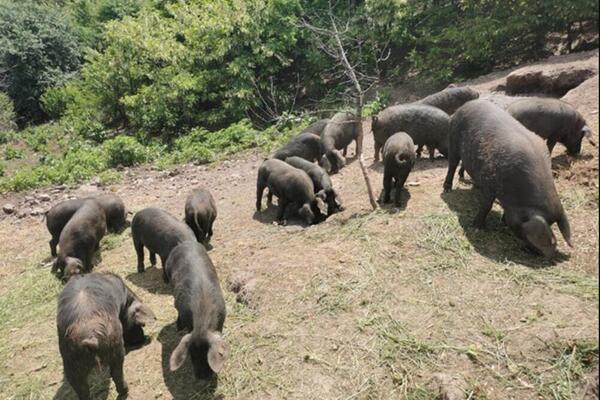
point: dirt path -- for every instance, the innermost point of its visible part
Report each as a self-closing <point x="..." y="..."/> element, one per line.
<point x="366" y="305"/>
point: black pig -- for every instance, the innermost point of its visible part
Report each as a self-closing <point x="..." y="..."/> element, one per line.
<point x="200" y="308"/>
<point x="398" y="160"/>
<point x="159" y="232"/>
<point x="79" y="239"/>
<point x="200" y="213"/>
<point x="97" y="316"/>
<point x="510" y="163"/>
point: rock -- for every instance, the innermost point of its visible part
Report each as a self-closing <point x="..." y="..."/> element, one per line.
<point x="447" y="387"/>
<point x="43" y="197"/>
<point x="8" y="208"/>
<point x="23" y="213"/>
<point x="36" y="211"/>
<point x="553" y="79"/>
<point x="243" y="284"/>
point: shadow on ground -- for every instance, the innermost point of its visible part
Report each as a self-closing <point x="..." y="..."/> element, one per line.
<point x="181" y="383"/>
<point x="268" y="216"/>
<point x="391" y="207"/>
<point x="99" y="380"/>
<point x="151" y="280"/>
<point x="496" y="241"/>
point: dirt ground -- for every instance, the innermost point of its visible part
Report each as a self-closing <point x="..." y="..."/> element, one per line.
<point x="367" y="305"/>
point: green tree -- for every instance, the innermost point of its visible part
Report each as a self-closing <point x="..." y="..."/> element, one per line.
<point x="38" y="49"/>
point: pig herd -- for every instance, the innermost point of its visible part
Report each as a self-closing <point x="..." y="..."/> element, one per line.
<point x="98" y="315"/>
<point x="502" y="150"/>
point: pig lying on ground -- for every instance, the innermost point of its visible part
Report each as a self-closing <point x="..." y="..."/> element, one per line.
<point x="553" y="120"/>
<point x="290" y="185"/>
<point x="323" y="187"/>
<point x="306" y="145"/>
<point x="159" y="232"/>
<point x="200" y="308"/>
<point x="426" y="125"/>
<point x="508" y="162"/>
<point x="79" y="239"/>
<point x="451" y="99"/>
<point x="398" y="159"/>
<point x="337" y="135"/>
<point x="58" y="216"/>
<point x="200" y="213"/>
<point x="97" y="317"/>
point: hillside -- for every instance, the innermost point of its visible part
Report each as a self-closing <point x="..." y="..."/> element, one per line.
<point x="367" y="305"/>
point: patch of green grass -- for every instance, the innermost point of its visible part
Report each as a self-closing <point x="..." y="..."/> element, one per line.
<point x="571" y="362"/>
<point x="12" y="153"/>
<point x="113" y="240"/>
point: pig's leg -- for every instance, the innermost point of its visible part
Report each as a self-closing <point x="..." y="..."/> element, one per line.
<point x="53" y="243"/>
<point x="165" y="276"/>
<point x="387" y="185"/>
<point x="282" y="206"/>
<point x="269" y="197"/>
<point x="400" y="180"/>
<point x="431" y="151"/>
<point x="453" y="160"/>
<point x="116" y="372"/>
<point x="139" y="249"/>
<point x="77" y="377"/>
<point x="419" y="150"/>
<point x="260" y="187"/>
<point x="377" y="149"/>
<point x="461" y="173"/>
<point x="345" y="151"/>
<point x="486" y="201"/>
<point x="152" y="258"/>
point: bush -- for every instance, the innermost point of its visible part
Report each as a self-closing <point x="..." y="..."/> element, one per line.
<point x="38" y="49"/>
<point x="126" y="151"/>
<point x="7" y="117"/>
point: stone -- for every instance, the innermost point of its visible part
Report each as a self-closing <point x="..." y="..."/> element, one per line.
<point x="447" y="387"/>
<point x="8" y="208"/>
<point x="43" y="197"/>
<point x="553" y="79"/>
<point x="36" y="211"/>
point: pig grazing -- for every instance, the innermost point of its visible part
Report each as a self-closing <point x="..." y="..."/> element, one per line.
<point x="290" y="185"/>
<point x="58" y="216"/>
<point x="97" y="317"/>
<point x="426" y="125"/>
<point x="451" y="99"/>
<point x="79" y="239"/>
<point x="337" y="135"/>
<point x="323" y="187"/>
<point x="159" y="232"/>
<point x="398" y="159"/>
<point x="200" y="213"/>
<point x="510" y="163"/>
<point x="200" y="308"/>
<point x="553" y="120"/>
<point x="306" y="145"/>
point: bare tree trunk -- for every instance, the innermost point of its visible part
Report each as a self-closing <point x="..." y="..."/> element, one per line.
<point x="359" y="105"/>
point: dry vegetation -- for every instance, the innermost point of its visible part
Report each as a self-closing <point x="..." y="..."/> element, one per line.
<point x="368" y="305"/>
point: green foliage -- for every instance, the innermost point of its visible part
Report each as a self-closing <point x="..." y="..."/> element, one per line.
<point x="7" y="116"/>
<point x="126" y="151"/>
<point x="11" y="153"/>
<point x="377" y="104"/>
<point x="38" y="49"/>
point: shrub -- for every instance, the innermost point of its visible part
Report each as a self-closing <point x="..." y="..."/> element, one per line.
<point x="126" y="151"/>
<point x="38" y="49"/>
<point x="7" y="117"/>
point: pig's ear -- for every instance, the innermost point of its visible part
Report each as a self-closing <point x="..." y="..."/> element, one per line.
<point x="140" y="313"/>
<point x="218" y="351"/>
<point x="180" y="353"/>
<point x="321" y="206"/>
